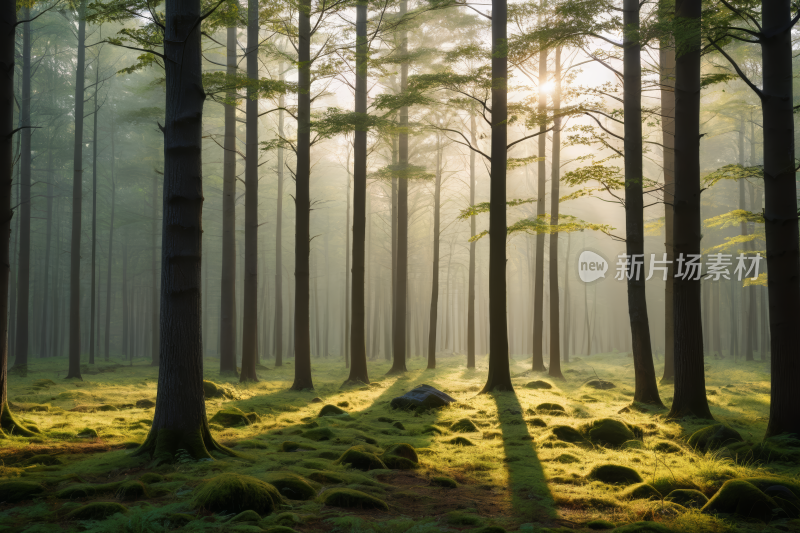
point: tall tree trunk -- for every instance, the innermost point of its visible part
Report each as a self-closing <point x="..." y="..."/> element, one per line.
<point x="537" y="363"/>
<point x="125" y="303"/>
<point x="357" y="337"/>
<point x="437" y="199"/>
<point x="180" y="417"/>
<point x="499" y="378"/>
<point x="77" y="198"/>
<point x="393" y="184"/>
<point x="567" y="303"/>
<point x="745" y="331"/>
<point x="250" y="310"/>
<point x="401" y="274"/>
<point x="302" y="253"/>
<point x="110" y="246"/>
<point x="347" y="277"/>
<point x="279" y="238"/>
<point x="780" y="215"/>
<point x="690" y="389"/>
<point x="227" y="341"/>
<point x="646" y="389"/>
<point x="93" y="290"/>
<point x="44" y="334"/>
<point x="154" y="334"/>
<point x="555" y="169"/>
<point x="471" y="290"/>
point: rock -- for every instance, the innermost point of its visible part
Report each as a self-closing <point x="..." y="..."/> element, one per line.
<point x="442" y="481"/>
<point x="538" y="385"/>
<point x="132" y="490"/>
<point x="234" y="493"/>
<point x="291" y="486"/>
<point x="326" y="478"/>
<point x="331" y="410"/>
<point x="147" y="403"/>
<point x="318" y="434"/>
<point x="149" y="478"/>
<point x="17" y="491"/>
<point x="608" y="432"/>
<point x="537" y="423"/>
<point x="97" y="511"/>
<point x="667" y="447"/>
<point x="550" y="408"/>
<point x="400" y="457"/>
<point x="316" y="400"/>
<point x="212" y="390"/>
<point x="600" y="525"/>
<point x="600" y="384"/>
<point x="739" y="497"/>
<point x="234" y="417"/>
<point x="641" y="491"/>
<point x="460" y="441"/>
<point x="422" y="398"/>
<point x="713" y="437"/>
<point x="349" y="498"/>
<point x="689" y="498"/>
<point x="613" y="474"/>
<point x="465" y="425"/>
<point x="245" y="516"/>
<point x="358" y="457"/>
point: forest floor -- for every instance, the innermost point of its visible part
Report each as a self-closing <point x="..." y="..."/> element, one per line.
<point x="523" y="466"/>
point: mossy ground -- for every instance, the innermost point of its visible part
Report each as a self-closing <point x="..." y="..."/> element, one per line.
<point x="515" y="476"/>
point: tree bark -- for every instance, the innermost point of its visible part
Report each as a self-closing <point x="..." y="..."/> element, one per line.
<point x="690" y="390"/>
<point x="279" y="237"/>
<point x="126" y="349"/>
<point x="347" y="276"/>
<point x="434" y="311"/>
<point x="250" y="310"/>
<point x="537" y="362"/>
<point x="93" y="290"/>
<point x="110" y="246"/>
<point x="555" y="169"/>
<point x="471" y="290"/>
<point x="499" y="378"/>
<point x="154" y="333"/>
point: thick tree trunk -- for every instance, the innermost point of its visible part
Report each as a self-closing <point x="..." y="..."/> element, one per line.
<point x="250" y="297"/>
<point x="302" y="344"/>
<point x="780" y="215"/>
<point x="180" y="417"/>
<point x="690" y="390"/>
<point x="555" y="169"/>
<point x="646" y="389"/>
<point x="358" y="353"/>
<point x="401" y="274"/>
<point x="434" y="311"/>
<point x="77" y="198"/>
<point x="537" y="362"/>
<point x="154" y="327"/>
<point x="471" y="290"/>
<point x="107" y="354"/>
<point x="93" y="277"/>
<point x="567" y="304"/>
<point x="279" y="239"/>
<point x="499" y="378"/>
<point x="227" y="341"/>
<point x="347" y="276"/>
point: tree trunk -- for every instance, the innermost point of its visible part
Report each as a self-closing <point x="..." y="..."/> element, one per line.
<point x="780" y="215"/>
<point x="302" y="344"/>
<point x="437" y="199"/>
<point x="154" y="342"/>
<point x="555" y="169"/>
<point x="347" y="277"/>
<point x="567" y="303"/>
<point x="499" y="378"/>
<point x="471" y="289"/>
<point x="126" y="350"/>
<point x="44" y="335"/>
<point x="279" y="238"/>
<point x="227" y="341"/>
<point x="93" y="290"/>
<point x="745" y="330"/>
<point x="180" y="417"/>
<point x="537" y="363"/>
<point x="250" y="297"/>
<point x="77" y="198"/>
<point x="646" y="389"/>
<point x="690" y="388"/>
<point x="110" y="247"/>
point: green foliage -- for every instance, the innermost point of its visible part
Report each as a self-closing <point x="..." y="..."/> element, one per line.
<point x="732" y="172"/>
<point x="405" y="172"/>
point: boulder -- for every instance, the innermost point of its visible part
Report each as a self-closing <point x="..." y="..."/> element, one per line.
<point x="613" y="474"/>
<point x="422" y="398"/>
<point x="713" y="437"/>
<point x="741" y="498"/>
<point x="689" y="498"/>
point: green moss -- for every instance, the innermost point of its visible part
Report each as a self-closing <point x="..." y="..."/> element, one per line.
<point x="442" y="481"/>
<point x="465" y="425"/>
<point x="87" y="433"/>
<point x="689" y="498"/>
<point x="643" y="527"/>
<point x="399" y="425"/>
<point x="537" y="423"/>
<point x="291" y="446"/>
<point x="600" y="524"/>
<point x="566" y="458"/>
<point x="641" y="491"/>
<point x="16" y="491"/>
<point x="86" y="490"/>
<point x="291" y="486"/>
<point x="739" y="497"/>
<point x="132" y="490"/>
<point x="331" y="410"/>
<point x="234" y="417"/>
<point x="614" y="474"/>
<point x="538" y="385"/>
<point x="569" y="434"/>
<point x="149" y="478"/>
<point x="400" y="457"/>
<point x="763" y="483"/>
<point x="358" y="457"/>
<point x="245" y="516"/>
<point x="279" y="529"/>
<point x="97" y="511"/>
<point x="318" y="434"/>
<point x="600" y="384"/>
<point x="456" y="518"/>
<point x="234" y="493"/>
<point x="667" y="447"/>
<point x="212" y="390"/>
<point x="432" y="430"/>
<point x="326" y="478"/>
<point x="179" y="519"/>
<point x="550" y="407"/>
<point x="146" y="403"/>
<point x="47" y="460"/>
<point x="460" y="441"/>
<point x="349" y="498"/>
<point x="713" y="437"/>
<point x="608" y="432"/>
<point x="489" y="529"/>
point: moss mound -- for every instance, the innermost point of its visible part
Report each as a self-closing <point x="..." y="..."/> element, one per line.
<point x="212" y="390"/>
<point x="292" y="487"/>
<point x="279" y="529"/>
<point x="465" y="425"/>
<point x="713" y="437"/>
<point x="613" y="474"/>
<point x="739" y="497"/>
<point x="16" y="491"/>
<point x="538" y="385"/>
<point x="641" y="491"/>
<point x="550" y="407"/>
<point x="234" y="417"/>
<point x="667" y="447"/>
<point x="442" y="481"/>
<point x="600" y="384"/>
<point x="331" y="410"/>
<point x="432" y="430"/>
<point x="763" y="483"/>
<point x="457" y="518"/>
<point x="460" y="441"/>
<point x="179" y="519"/>
<point x="566" y="458"/>
<point x="291" y="446"/>
<point x="689" y="498"/>
<point x="643" y="527"/>
<point x="326" y="478"/>
<point x="47" y="460"/>
<point x="87" y="433"/>
<point x="400" y="457"/>
<point x="608" y="432"/>
<point x="245" y="516"/>
<point x="234" y="493"/>
<point x="358" y="457"/>
<point x="600" y="525"/>
<point x="146" y="403"/>
<point x="569" y="434"/>
<point x="318" y="434"/>
<point x="97" y="511"/>
<point x="86" y="490"/>
<point x="399" y="425"/>
<point x="489" y="529"/>
<point x="349" y="498"/>
<point x="148" y="478"/>
<point x="132" y="490"/>
<point x="537" y="423"/>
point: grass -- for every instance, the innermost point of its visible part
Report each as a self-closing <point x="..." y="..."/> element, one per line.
<point x="517" y="476"/>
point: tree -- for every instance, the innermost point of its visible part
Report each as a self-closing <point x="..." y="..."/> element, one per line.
<point x="437" y="206"/>
<point x="471" y="290"/>
<point x="555" y="197"/>
<point x="279" y="236"/>
<point x="537" y="360"/>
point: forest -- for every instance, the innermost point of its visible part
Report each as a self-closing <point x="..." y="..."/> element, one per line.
<point x="399" y="266"/>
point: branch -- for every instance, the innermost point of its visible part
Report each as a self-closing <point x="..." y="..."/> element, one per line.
<point x="741" y="74"/>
